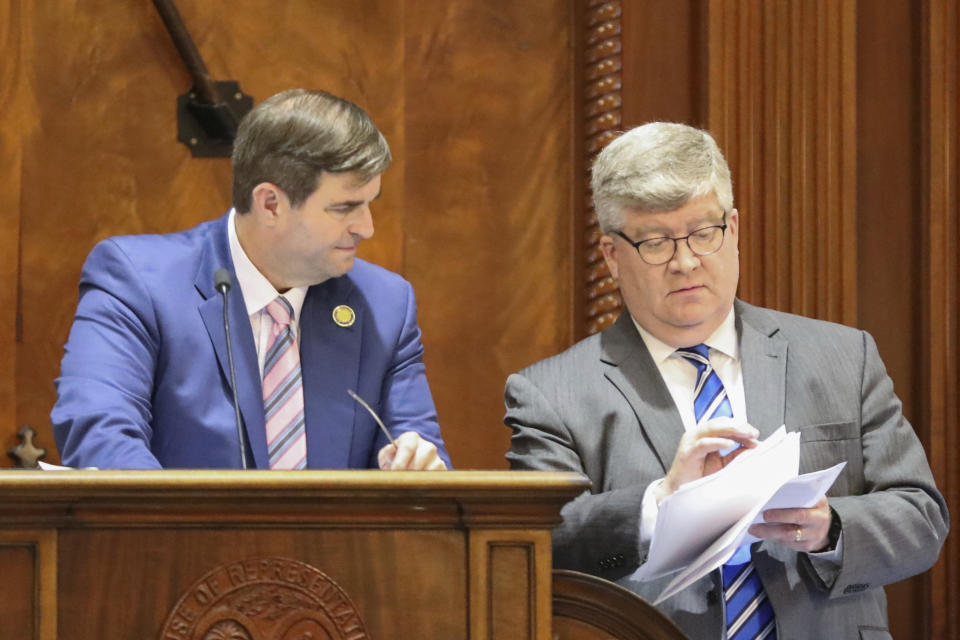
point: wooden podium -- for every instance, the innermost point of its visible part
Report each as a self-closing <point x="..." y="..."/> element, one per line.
<point x="338" y="555"/>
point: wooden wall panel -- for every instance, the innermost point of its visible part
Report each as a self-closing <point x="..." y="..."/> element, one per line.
<point x="507" y="577"/>
<point x="100" y="153"/>
<point x="888" y="245"/>
<point x="475" y="100"/>
<point x="18" y="610"/>
<point x="487" y="236"/>
<point x="889" y="189"/>
<point x="782" y="105"/>
<point x="11" y="124"/>
<point x="381" y="571"/>
<point x="28" y="592"/>
<point x="940" y="274"/>
<point x="664" y="61"/>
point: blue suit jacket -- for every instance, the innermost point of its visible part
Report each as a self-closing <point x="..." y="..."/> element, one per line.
<point x="145" y="381"/>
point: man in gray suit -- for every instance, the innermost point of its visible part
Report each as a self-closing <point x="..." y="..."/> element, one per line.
<point x="690" y="372"/>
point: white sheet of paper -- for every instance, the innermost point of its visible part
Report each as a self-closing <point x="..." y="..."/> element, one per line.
<point x="46" y="466"/>
<point x="802" y="491"/>
<point x="699" y="512"/>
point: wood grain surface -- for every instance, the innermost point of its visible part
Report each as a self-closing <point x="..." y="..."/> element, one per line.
<point x="12" y="123"/>
<point x="839" y="120"/>
<point x="939" y="231"/>
<point x="488" y="230"/>
<point x="474" y="100"/>
<point x="782" y="104"/>
<point x="120" y="549"/>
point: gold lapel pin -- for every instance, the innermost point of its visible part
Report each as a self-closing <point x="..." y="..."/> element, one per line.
<point x="344" y="315"/>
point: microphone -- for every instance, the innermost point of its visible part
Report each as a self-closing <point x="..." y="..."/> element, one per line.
<point x="222" y="283"/>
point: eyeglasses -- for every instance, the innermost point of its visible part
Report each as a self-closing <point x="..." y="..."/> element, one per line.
<point x="656" y="251"/>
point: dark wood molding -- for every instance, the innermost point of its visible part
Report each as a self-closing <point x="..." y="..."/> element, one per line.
<point x="941" y="273"/>
<point x="608" y="610"/>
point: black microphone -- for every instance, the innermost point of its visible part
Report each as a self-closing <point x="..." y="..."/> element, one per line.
<point x="222" y="283"/>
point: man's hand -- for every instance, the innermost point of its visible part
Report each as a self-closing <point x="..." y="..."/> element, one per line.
<point x="800" y="529"/>
<point x="412" y="452"/>
<point x="698" y="453"/>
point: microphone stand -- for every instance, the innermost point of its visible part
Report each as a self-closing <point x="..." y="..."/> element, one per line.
<point x="222" y="283"/>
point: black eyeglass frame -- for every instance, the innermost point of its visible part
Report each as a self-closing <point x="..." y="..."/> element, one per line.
<point x="636" y="244"/>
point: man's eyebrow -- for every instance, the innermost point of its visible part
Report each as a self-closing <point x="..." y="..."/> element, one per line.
<point x="344" y="203"/>
<point x="707" y="219"/>
<point x="351" y="203"/>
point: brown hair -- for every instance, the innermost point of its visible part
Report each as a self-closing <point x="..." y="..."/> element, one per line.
<point x="292" y="137"/>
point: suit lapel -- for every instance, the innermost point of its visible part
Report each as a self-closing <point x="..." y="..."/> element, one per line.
<point x="636" y="376"/>
<point x="763" y="357"/>
<point x="330" y="362"/>
<point x="216" y="255"/>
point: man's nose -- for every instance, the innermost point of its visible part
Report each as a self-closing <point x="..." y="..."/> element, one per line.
<point x="684" y="259"/>
<point x="362" y="223"/>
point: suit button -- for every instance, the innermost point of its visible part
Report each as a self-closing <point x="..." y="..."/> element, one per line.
<point x="856" y="588"/>
<point x="712" y="597"/>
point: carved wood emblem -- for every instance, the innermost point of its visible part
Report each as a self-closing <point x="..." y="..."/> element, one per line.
<point x="27" y="453"/>
<point x="264" y="599"/>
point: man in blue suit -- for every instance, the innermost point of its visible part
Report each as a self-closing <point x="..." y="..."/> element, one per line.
<point x="145" y="381"/>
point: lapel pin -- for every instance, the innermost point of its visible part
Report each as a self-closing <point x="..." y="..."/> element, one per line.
<point x="344" y="315"/>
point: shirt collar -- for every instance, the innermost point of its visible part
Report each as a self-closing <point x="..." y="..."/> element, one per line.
<point x="724" y="340"/>
<point x="257" y="290"/>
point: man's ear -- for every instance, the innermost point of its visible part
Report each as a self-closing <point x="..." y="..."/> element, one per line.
<point x="268" y="202"/>
<point x="609" y="249"/>
<point x="733" y="225"/>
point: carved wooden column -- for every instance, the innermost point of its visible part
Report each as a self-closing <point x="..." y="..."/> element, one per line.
<point x="782" y="105"/>
<point x="602" y="121"/>
<point x="940" y="229"/>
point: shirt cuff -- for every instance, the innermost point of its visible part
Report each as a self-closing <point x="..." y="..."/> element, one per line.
<point x="833" y="556"/>
<point x="648" y="514"/>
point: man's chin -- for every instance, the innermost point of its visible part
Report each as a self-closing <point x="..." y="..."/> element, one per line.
<point x="690" y="317"/>
<point x="342" y="267"/>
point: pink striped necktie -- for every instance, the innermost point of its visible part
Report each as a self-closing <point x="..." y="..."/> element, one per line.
<point x="283" y="392"/>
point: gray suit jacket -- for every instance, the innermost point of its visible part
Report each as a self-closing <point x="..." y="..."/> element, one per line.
<point x="602" y="409"/>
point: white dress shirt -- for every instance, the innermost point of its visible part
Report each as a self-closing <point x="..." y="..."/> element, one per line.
<point x="680" y="376"/>
<point x="258" y="293"/>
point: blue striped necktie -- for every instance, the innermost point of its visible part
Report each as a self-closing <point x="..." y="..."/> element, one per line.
<point x="749" y="614"/>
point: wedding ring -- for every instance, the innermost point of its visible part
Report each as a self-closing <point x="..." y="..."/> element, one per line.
<point x="799" y="536"/>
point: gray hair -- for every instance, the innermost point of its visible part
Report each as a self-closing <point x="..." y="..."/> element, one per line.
<point x="659" y="166"/>
<point x="292" y="137"/>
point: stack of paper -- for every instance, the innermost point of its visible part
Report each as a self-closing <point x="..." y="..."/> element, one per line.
<point x="700" y="526"/>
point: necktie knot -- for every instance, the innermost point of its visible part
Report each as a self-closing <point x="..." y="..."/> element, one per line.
<point x="709" y="396"/>
<point x="280" y="310"/>
<point x="698" y="355"/>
